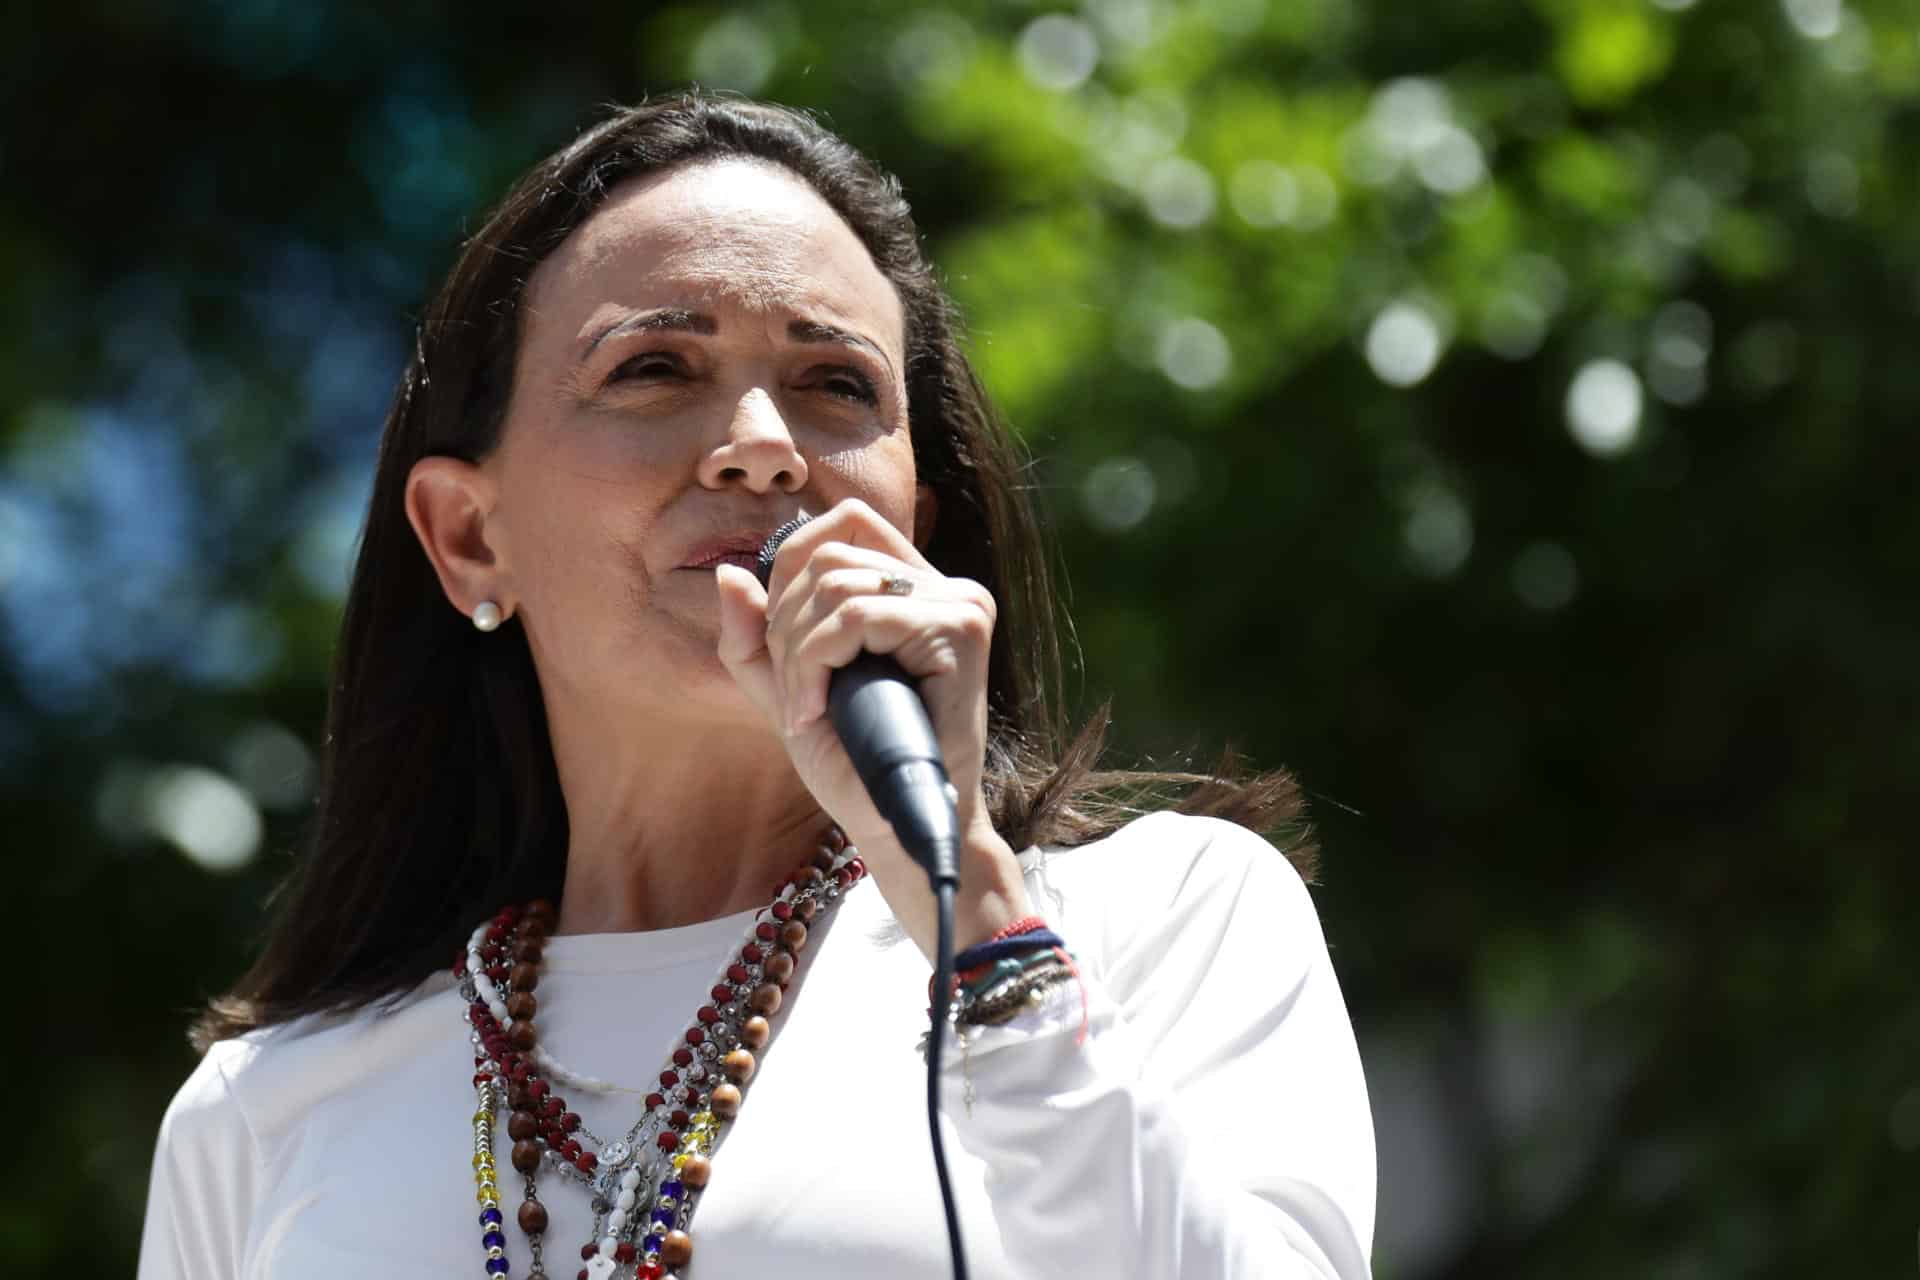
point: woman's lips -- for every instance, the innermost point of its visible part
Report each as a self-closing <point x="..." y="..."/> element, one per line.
<point x="746" y="560"/>
<point x="740" y="546"/>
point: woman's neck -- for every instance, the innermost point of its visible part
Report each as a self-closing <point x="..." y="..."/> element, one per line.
<point x="681" y="825"/>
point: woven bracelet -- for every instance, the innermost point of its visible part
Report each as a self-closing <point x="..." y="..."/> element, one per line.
<point x="1022" y="935"/>
<point x="986" y="953"/>
<point x="987" y="977"/>
<point x="1006" y="1000"/>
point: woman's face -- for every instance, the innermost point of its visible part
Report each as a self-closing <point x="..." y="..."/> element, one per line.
<point x="711" y="352"/>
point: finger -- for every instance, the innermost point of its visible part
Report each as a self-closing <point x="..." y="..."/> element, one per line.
<point x="812" y="601"/>
<point x="850" y="521"/>
<point x="929" y="638"/>
<point x="819" y="591"/>
<point x="836" y="573"/>
<point x="742" y="646"/>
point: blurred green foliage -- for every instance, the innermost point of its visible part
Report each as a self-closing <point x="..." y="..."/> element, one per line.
<point x="1502" y="413"/>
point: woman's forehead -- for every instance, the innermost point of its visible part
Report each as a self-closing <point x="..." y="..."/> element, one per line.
<point x="715" y="237"/>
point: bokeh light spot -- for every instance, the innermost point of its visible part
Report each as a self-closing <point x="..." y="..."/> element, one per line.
<point x="930" y="51"/>
<point x="1127" y="22"/>
<point x="204" y="815"/>
<point x="1683" y="212"/>
<point x="1814" y="19"/>
<point x="1057" y="52"/>
<point x="1409" y="112"/>
<point x="1411" y="127"/>
<point x="1178" y="193"/>
<point x="1603" y="407"/>
<point x="1677" y="349"/>
<point x="1545" y="577"/>
<point x="1403" y="344"/>
<point x="1194" y="354"/>
<point x="1438" y="532"/>
<point x="1264" y="194"/>
<point x="273" y="764"/>
<point x="234" y="644"/>
<point x="1451" y="161"/>
<point x="1118" y="494"/>
<point x="733" y="53"/>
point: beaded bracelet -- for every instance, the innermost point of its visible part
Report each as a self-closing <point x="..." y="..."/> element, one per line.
<point x="1002" y="1001"/>
<point x="1024" y="925"/>
<point x="1009" y="972"/>
<point x="987" y="976"/>
<point x="1022" y="935"/>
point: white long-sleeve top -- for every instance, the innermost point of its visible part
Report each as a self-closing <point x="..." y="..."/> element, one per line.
<point x="1211" y="1122"/>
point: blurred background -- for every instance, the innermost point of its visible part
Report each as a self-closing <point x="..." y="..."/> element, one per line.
<point x="1504" y="414"/>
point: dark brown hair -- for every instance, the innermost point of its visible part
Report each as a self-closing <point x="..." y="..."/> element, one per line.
<point x="439" y="798"/>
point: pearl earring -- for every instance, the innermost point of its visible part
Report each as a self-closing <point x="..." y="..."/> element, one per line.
<point x="486" y="615"/>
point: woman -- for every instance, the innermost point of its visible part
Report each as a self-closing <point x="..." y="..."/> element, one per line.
<point x="575" y="744"/>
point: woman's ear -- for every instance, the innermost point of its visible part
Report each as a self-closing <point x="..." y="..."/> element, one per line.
<point x="450" y="503"/>
<point x="926" y="510"/>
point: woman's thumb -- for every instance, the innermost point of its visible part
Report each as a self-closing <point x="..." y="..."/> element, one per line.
<point x="743" y="614"/>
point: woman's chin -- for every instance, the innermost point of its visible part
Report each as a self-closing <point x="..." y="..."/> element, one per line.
<point x="702" y="688"/>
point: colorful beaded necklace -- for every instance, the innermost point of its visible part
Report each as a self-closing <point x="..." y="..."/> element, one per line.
<point x="664" y="1161"/>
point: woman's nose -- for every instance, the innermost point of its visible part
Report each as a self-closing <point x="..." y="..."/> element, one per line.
<point x="757" y="450"/>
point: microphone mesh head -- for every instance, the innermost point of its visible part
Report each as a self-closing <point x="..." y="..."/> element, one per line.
<point x="764" y="568"/>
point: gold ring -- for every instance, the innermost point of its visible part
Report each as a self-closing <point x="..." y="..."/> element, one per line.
<point x="893" y="584"/>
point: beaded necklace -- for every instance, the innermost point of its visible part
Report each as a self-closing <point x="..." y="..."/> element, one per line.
<point x="644" y="1185"/>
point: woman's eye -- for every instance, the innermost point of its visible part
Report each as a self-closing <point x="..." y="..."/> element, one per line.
<point x="653" y="364"/>
<point x="849" y="384"/>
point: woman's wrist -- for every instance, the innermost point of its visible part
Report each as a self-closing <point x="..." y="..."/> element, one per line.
<point x="992" y="893"/>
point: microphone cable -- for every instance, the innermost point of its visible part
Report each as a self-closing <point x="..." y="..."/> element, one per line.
<point x="943" y="890"/>
<point x="943" y="983"/>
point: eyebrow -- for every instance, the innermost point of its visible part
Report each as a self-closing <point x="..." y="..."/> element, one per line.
<point x="677" y="319"/>
<point x="682" y="320"/>
<point x="812" y="332"/>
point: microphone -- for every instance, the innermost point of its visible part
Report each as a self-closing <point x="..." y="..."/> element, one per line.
<point x="884" y="727"/>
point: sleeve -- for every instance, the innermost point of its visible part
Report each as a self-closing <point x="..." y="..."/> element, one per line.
<point x="1212" y="1120"/>
<point x="200" y="1194"/>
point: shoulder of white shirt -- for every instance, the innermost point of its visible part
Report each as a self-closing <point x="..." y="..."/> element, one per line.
<point x="271" y="1076"/>
<point x="1160" y="852"/>
<point x="1125" y="882"/>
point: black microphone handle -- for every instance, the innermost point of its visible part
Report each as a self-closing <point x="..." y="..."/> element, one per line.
<point x="884" y="727"/>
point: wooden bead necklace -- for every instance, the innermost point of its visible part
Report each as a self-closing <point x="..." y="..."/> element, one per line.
<point x="664" y="1161"/>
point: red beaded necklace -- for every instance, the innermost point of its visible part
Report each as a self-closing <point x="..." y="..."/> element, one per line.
<point x="642" y="1202"/>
